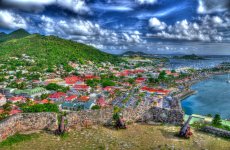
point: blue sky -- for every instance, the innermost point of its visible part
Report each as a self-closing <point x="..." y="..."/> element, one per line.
<point x="115" y="26"/>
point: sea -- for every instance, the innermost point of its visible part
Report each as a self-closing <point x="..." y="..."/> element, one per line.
<point x="213" y="97"/>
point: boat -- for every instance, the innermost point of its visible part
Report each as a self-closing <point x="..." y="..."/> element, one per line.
<point x="228" y="81"/>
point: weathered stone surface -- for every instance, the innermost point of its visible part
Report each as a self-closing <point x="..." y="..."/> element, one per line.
<point x="27" y="122"/>
<point x="170" y="116"/>
<point x="217" y="131"/>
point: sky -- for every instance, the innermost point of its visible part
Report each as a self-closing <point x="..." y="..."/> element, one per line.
<point x="116" y="26"/>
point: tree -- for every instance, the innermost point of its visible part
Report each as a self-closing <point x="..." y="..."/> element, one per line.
<point x="216" y="120"/>
<point x="107" y="82"/>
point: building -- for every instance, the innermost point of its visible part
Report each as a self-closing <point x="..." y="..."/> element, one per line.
<point x="57" y="96"/>
<point x="2" y="99"/>
<point x="31" y="93"/>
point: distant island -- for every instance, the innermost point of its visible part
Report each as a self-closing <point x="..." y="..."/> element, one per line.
<point x="190" y="57"/>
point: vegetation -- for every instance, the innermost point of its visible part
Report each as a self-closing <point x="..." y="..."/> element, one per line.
<point x="40" y="108"/>
<point x="49" y="51"/>
<point x="14" y="35"/>
<point x="136" y="137"/>
<point x="191" y="57"/>
<point x="216" y="120"/>
<point x="17" y="138"/>
<point x="55" y="87"/>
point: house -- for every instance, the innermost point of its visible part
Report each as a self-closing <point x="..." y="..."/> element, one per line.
<point x="82" y="87"/>
<point x="140" y="80"/>
<point x="57" y="96"/>
<point x="90" y="77"/>
<point x="101" y="102"/>
<point x="72" y="80"/>
<point x="2" y="99"/>
<point x="157" y="91"/>
<point x="31" y="93"/>
<point x="71" y="98"/>
<point x="46" y="101"/>
<point x="15" y="111"/>
<point x="16" y="99"/>
<point x="109" y="88"/>
<point x="72" y="106"/>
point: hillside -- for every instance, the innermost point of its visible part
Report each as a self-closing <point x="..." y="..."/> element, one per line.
<point x="14" y="35"/>
<point x="51" y="50"/>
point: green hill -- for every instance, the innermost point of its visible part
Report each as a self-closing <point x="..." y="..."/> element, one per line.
<point x="51" y="50"/>
<point x="14" y="35"/>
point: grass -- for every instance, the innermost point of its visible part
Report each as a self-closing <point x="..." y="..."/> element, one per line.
<point x="17" y="138"/>
<point x="136" y="137"/>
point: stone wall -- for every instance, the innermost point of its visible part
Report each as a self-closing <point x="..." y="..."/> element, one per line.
<point x="27" y="122"/>
<point x="171" y="116"/>
<point x="217" y="131"/>
<point x="101" y="116"/>
<point x="139" y="114"/>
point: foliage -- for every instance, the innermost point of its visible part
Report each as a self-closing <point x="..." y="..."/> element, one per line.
<point x="40" y="108"/>
<point x="162" y="75"/>
<point x="7" y="106"/>
<point x="95" y="107"/>
<point x="17" y="138"/>
<point x="92" y="83"/>
<point x="55" y="87"/>
<point x="216" y="120"/>
<point x="131" y="80"/>
<point x="107" y="82"/>
<point x="48" y="51"/>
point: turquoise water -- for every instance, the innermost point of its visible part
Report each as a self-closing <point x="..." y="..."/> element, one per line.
<point x="213" y="97"/>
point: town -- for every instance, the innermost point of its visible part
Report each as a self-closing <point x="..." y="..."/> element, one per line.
<point x="88" y="86"/>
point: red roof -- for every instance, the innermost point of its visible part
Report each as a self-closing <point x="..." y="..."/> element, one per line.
<point x="15" y="111"/>
<point x="71" y="98"/>
<point x="140" y="80"/>
<point x="89" y="77"/>
<point x="161" y="91"/>
<point x="81" y="87"/>
<point x="57" y="95"/>
<point x="72" y="79"/>
<point x="16" y="98"/>
<point x="1" y="111"/>
<point x="108" y="88"/>
<point x="101" y="102"/>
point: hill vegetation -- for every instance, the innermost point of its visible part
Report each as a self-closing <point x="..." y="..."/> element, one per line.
<point x="14" y="35"/>
<point x="49" y="50"/>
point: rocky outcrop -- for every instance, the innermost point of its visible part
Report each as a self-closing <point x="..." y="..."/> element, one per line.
<point x="217" y="131"/>
<point x="27" y="122"/>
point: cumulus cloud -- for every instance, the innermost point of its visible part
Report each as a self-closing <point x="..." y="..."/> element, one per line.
<point x="156" y="24"/>
<point x="78" y="6"/>
<point x="204" y="29"/>
<point x="87" y="32"/>
<point x="146" y="1"/>
<point x="211" y="6"/>
<point x="11" y="20"/>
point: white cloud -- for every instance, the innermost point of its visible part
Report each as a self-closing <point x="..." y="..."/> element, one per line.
<point x="87" y="32"/>
<point x="10" y="20"/>
<point x="146" y="1"/>
<point x="156" y="24"/>
<point x="205" y="30"/>
<point x="78" y="6"/>
<point x="211" y="6"/>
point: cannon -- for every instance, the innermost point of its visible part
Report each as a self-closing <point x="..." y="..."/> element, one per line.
<point x="120" y="124"/>
<point x="185" y="130"/>
<point x="61" y="127"/>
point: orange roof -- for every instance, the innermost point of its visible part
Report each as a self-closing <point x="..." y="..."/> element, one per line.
<point x="83" y="98"/>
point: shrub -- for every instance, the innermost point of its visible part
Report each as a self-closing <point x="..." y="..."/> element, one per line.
<point x="40" y="108"/>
